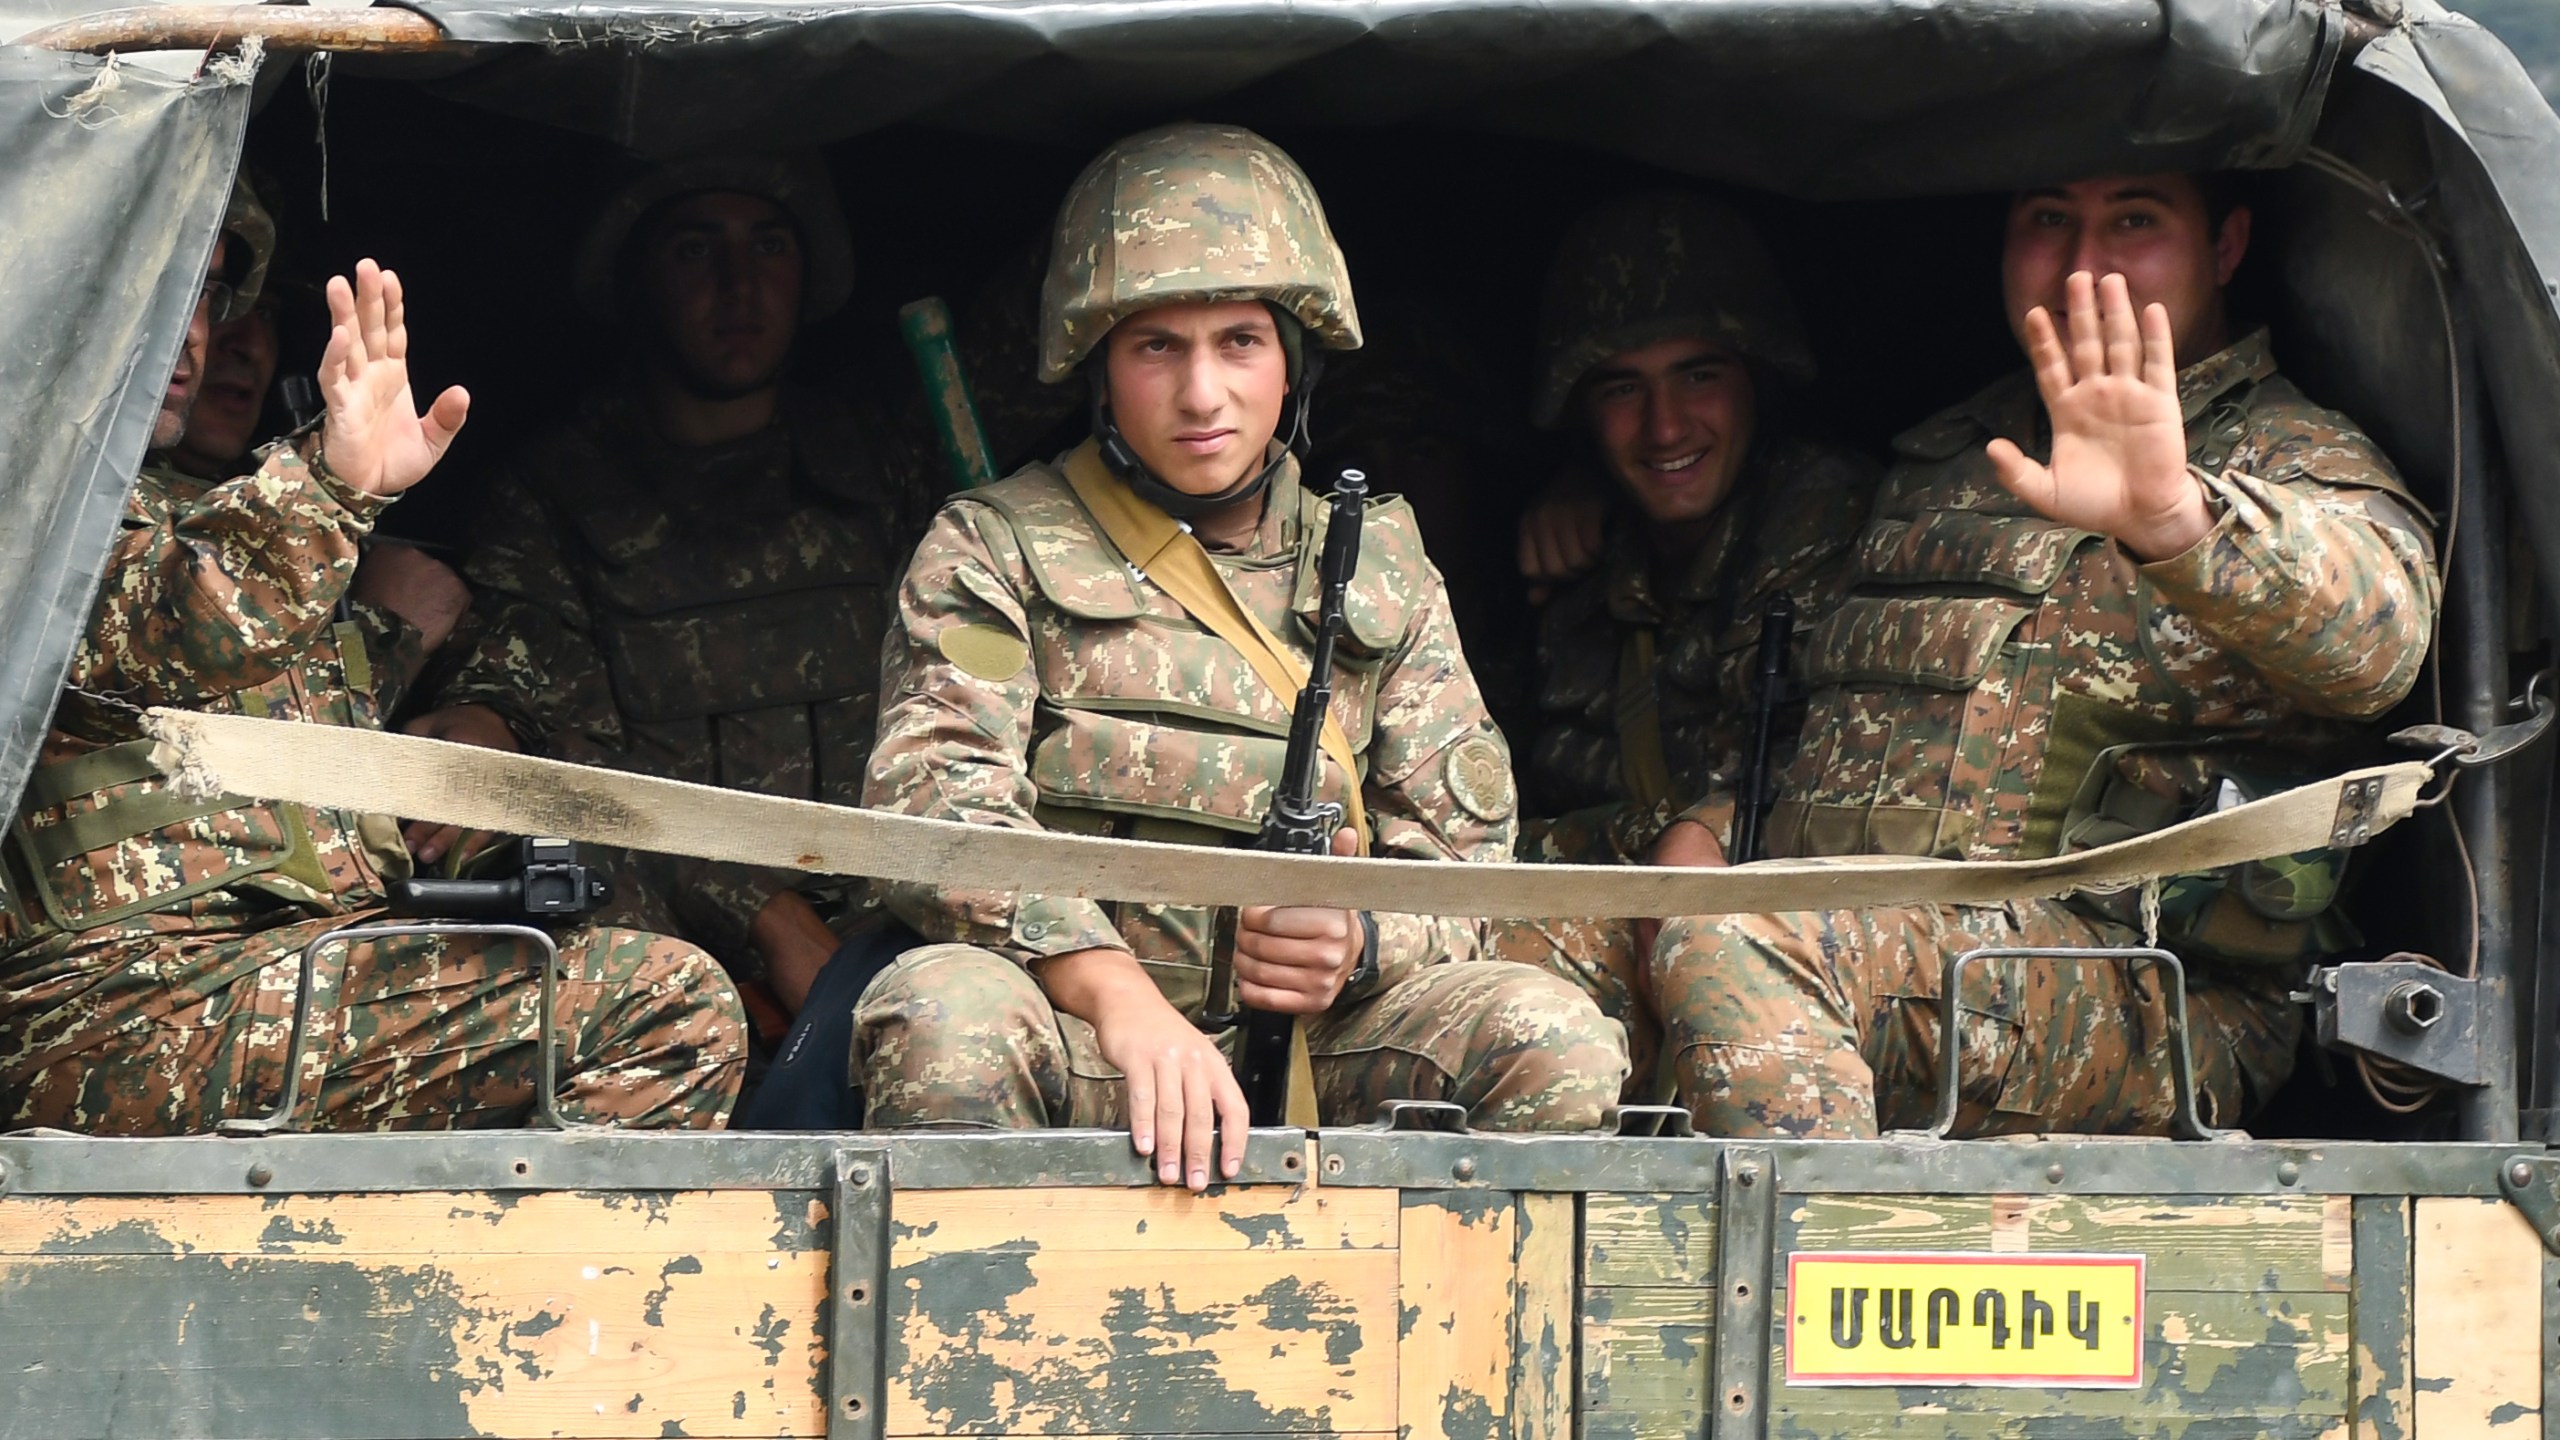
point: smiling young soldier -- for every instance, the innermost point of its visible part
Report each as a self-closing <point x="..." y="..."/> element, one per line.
<point x="1667" y="334"/>
<point x="2145" y="577"/>
<point x="1043" y="676"/>
<point x="690" y="576"/>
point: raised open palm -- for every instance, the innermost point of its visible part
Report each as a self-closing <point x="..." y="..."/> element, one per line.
<point x="375" y="438"/>
<point x="2119" y="463"/>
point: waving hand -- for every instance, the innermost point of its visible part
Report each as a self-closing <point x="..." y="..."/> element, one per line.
<point x="2119" y="440"/>
<point x="375" y="438"/>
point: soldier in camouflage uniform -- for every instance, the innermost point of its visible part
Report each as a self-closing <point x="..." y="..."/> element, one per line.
<point x="1040" y="676"/>
<point x="690" y="578"/>
<point x="149" y="949"/>
<point x="1663" y="328"/>
<point x="2093" y="599"/>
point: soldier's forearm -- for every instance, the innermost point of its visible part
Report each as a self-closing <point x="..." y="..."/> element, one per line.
<point x="2332" y="605"/>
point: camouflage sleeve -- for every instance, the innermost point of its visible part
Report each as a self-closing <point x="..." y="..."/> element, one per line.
<point x="2327" y="592"/>
<point x="532" y="660"/>
<point x="955" y="738"/>
<point x="214" y="594"/>
<point x="1440" y="785"/>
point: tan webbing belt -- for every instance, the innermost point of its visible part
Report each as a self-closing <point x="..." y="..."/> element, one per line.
<point x="1643" y="766"/>
<point x="1172" y="557"/>
<point x="450" y="784"/>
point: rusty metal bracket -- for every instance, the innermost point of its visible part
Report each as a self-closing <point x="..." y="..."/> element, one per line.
<point x="1438" y="1115"/>
<point x="377" y="29"/>
<point x="857" y="1291"/>
<point x="2359" y="805"/>
<point x="282" y="1120"/>
<point x="1747" y="1204"/>
<point x="1646" y="1122"/>
<point x="2187" y="1122"/>
<point x="2401" y="1009"/>
<point x="2532" y="1184"/>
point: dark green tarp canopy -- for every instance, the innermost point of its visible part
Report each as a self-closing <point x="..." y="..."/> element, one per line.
<point x="112" y="177"/>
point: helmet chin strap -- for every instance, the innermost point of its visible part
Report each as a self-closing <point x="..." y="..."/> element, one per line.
<point x="1122" y="457"/>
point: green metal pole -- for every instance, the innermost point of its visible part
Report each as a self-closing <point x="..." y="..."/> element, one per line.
<point x="926" y="324"/>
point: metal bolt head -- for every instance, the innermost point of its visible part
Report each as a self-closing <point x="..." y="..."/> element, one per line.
<point x="1465" y="1169"/>
<point x="2520" y="1174"/>
<point x="2288" y="1173"/>
<point x="861" y="1175"/>
<point x="260" y="1175"/>
<point x="1747" y="1173"/>
<point x="2053" y="1173"/>
<point x="2413" y="1007"/>
<point x="1333" y="1164"/>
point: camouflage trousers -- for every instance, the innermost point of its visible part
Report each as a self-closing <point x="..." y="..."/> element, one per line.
<point x="1599" y="958"/>
<point x="1824" y="1025"/>
<point x="172" y="1034"/>
<point x="952" y="1035"/>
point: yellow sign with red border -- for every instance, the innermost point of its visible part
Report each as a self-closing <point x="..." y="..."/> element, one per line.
<point x="1923" y="1318"/>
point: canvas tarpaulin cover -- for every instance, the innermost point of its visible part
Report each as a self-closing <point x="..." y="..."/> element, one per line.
<point x="107" y="209"/>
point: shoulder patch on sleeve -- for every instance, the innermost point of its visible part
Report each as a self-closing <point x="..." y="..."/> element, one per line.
<point x="985" y="651"/>
<point x="1480" y="778"/>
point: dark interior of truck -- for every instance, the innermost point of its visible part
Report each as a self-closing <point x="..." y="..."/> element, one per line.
<point x="1447" y="232"/>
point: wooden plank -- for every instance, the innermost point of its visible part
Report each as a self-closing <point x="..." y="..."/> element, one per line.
<point x="1542" y="1319"/>
<point x="1092" y="1342"/>
<point x="1453" y="1351"/>
<point x="1264" y="1217"/>
<point x="1649" y="1239"/>
<point x="1645" y="1351"/>
<point x="2270" y="1244"/>
<point x="423" y="1223"/>
<point x="1882" y="1222"/>
<point x="2382" y="1359"/>
<point x="2211" y="1358"/>
<point x="383" y="1348"/>
<point x="2476" y="1275"/>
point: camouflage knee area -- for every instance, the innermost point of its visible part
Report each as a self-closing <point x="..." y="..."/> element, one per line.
<point x="958" y="1037"/>
<point x="141" y="1037"/>
<point x="1521" y="1050"/>
<point x="1598" y="957"/>
<point x="660" y="1036"/>
<point x="1763" y="1037"/>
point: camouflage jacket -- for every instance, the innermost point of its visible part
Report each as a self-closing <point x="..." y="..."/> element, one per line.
<point x="1989" y="659"/>
<point x="224" y="598"/>
<point x="1795" y="514"/>
<point x="1035" y="680"/>
<point x="711" y="614"/>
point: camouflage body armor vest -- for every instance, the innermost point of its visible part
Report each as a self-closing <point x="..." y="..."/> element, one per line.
<point x="738" y="594"/>
<point x="103" y="840"/>
<point x="1151" y="727"/>
<point x="1999" y="686"/>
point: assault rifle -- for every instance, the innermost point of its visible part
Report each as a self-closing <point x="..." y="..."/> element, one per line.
<point x="1759" y="787"/>
<point x="1298" y="823"/>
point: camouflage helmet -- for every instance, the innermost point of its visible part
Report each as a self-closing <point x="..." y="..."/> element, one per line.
<point x="1189" y="213"/>
<point x="251" y="228"/>
<point x="797" y="182"/>
<point x="1653" y="266"/>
